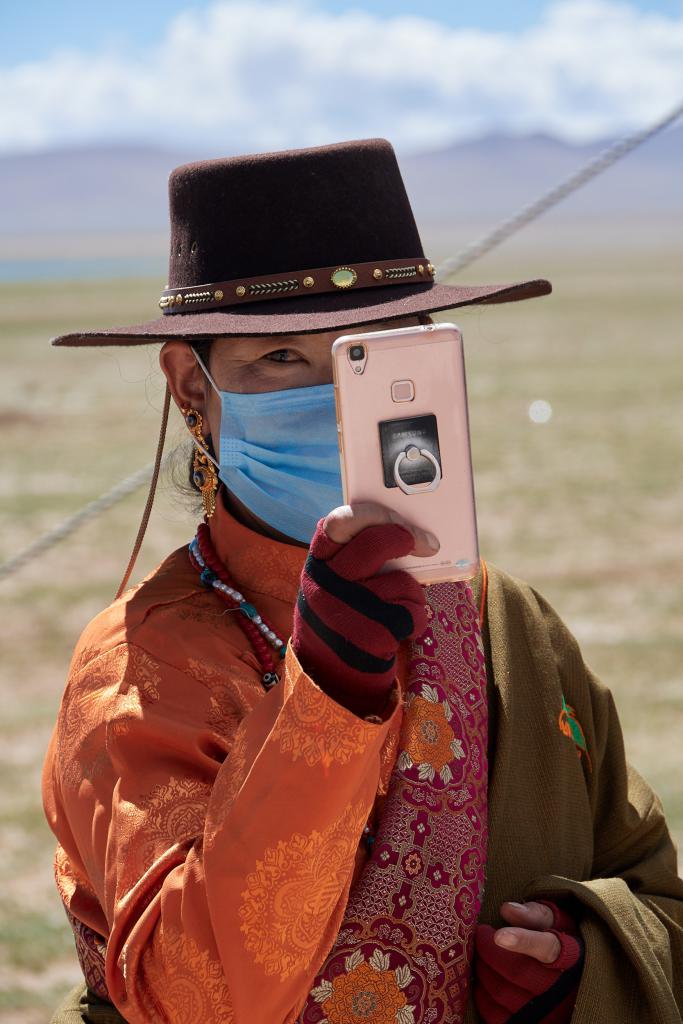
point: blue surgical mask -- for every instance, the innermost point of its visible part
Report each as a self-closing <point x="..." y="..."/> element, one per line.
<point x="279" y="455"/>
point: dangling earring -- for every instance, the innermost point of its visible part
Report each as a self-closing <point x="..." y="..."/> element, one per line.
<point x="203" y="470"/>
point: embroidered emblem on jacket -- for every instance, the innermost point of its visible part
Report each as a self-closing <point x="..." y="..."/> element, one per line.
<point x="571" y="727"/>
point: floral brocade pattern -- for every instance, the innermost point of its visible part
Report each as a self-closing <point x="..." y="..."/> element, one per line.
<point x="226" y="788"/>
<point x="294" y="889"/>
<point x="367" y="990"/>
<point x="430" y="742"/>
<point x="233" y="693"/>
<point x="176" y="810"/>
<point x="114" y="687"/>
<point x="188" y="982"/>
<point x="312" y="728"/>
<point x="141" y="671"/>
<point x="91" y="950"/>
<point x="172" y="813"/>
<point x="403" y="952"/>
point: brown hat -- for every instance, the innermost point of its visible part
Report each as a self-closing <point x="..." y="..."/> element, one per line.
<point x="294" y="242"/>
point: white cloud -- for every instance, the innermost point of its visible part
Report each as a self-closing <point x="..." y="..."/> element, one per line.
<point x="272" y="74"/>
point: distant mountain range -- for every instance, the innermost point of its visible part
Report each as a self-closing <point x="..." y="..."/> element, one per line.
<point x="123" y="188"/>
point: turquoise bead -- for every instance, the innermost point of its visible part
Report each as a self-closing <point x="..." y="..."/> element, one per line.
<point x="248" y="609"/>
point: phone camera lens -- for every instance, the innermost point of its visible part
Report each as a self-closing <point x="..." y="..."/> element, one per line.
<point x="357" y="352"/>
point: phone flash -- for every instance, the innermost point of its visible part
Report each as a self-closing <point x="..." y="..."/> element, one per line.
<point x="402" y="391"/>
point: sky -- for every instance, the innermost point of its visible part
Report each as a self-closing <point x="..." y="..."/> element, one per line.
<point x="268" y="74"/>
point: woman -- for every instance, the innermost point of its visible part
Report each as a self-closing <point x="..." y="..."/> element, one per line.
<point x="415" y="809"/>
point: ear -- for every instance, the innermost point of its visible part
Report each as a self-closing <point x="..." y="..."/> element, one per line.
<point x="184" y="375"/>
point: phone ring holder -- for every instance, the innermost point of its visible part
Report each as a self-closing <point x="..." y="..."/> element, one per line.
<point x="412" y="452"/>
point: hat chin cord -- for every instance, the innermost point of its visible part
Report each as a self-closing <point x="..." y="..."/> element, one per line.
<point x="150" y="497"/>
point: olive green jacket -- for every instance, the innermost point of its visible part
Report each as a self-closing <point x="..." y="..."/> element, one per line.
<point x="587" y="829"/>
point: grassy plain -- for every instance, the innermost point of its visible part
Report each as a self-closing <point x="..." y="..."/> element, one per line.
<point x="587" y="507"/>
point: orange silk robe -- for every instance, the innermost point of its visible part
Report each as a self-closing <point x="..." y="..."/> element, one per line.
<point x="208" y="830"/>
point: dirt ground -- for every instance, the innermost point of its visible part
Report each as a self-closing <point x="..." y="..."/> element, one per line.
<point x="586" y="506"/>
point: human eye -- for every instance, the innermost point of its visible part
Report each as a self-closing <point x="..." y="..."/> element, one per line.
<point x="282" y="355"/>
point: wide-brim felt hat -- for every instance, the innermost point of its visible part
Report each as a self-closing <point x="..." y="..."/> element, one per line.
<point x="295" y="242"/>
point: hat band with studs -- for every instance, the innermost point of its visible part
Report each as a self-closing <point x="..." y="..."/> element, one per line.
<point x="300" y="282"/>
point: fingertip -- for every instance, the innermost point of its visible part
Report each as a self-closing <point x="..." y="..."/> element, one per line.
<point x="323" y="545"/>
<point x="424" y="547"/>
<point x="506" y="939"/>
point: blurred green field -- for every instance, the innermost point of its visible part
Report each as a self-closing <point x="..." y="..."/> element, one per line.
<point x="587" y="507"/>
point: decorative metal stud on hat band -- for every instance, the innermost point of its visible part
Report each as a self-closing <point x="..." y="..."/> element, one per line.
<point x="344" y="277"/>
<point x="291" y="283"/>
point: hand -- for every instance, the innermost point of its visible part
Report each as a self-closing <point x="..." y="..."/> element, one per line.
<point x="539" y="974"/>
<point x="350" y="617"/>
<point x="346" y="521"/>
<point x="532" y="935"/>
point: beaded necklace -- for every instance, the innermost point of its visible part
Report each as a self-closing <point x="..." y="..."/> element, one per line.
<point x="257" y="629"/>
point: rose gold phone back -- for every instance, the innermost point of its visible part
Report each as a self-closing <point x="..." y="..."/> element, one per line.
<point x="409" y="375"/>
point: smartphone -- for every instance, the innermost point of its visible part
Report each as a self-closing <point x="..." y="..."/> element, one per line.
<point x="404" y="440"/>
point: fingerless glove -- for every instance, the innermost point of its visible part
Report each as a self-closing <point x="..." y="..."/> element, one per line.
<point x="350" y="619"/>
<point x="511" y="987"/>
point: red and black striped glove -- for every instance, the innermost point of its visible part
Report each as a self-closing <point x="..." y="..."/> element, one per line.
<point x="513" y="987"/>
<point x="349" y="620"/>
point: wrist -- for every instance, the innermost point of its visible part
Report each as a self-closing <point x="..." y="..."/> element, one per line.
<point x="362" y="693"/>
